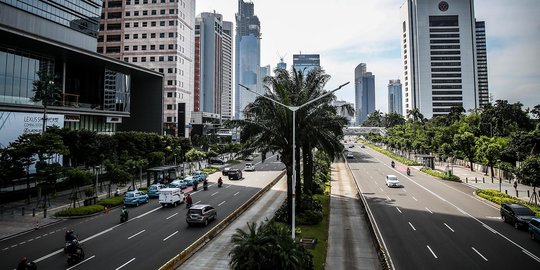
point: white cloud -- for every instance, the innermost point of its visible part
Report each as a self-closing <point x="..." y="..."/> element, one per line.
<point x="349" y="32"/>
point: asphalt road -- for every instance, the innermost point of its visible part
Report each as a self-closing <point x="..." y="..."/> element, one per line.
<point x="434" y="224"/>
<point x="151" y="237"/>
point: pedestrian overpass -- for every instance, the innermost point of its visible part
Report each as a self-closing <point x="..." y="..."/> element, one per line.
<point x="359" y="131"/>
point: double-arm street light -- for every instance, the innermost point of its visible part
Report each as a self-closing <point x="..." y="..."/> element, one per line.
<point x="294" y="109"/>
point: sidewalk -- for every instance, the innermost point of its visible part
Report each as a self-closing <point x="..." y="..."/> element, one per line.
<point x="478" y="180"/>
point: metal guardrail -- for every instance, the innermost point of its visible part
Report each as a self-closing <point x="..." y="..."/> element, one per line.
<point x="203" y="240"/>
<point x="374" y="229"/>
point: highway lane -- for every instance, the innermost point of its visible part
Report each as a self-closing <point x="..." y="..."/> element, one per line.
<point x="152" y="236"/>
<point x="431" y="224"/>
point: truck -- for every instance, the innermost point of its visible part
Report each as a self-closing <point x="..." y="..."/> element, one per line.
<point x="171" y="196"/>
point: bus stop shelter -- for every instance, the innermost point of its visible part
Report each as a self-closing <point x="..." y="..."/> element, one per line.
<point x="168" y="171"/>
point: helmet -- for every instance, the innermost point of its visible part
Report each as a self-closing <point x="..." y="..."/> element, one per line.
<point x="23" y="259"/>
<point x="124" y="207"/>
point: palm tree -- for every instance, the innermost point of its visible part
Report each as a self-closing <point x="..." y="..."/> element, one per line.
<point x="46" y="92"/>
<point x="415" y="115"/>
<point x="267" y="126"/>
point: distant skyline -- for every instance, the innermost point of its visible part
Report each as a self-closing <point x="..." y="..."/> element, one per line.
<point x="348" y="32"/>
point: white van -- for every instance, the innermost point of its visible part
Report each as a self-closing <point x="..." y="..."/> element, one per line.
<point x="171" y="196"/>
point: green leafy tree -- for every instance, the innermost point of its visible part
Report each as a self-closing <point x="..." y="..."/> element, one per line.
<point x="374" y="119"/>
<point x="488" y="150"/>
<point x="393" y="119"/>
<point x="46" y="92"/>
<point x="466" y="144"/>
<point x="529" y="173"/>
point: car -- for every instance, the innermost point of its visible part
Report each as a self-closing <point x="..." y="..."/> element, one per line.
<point x="534" y="228"/>
<point x="200" y="214"/>
<point x="135" y="198"/>
<point x="517" y="214"/>
<point x="216" y="161"/>
<point x="153" y="190"/>
<point x="362" y="146"/>
<point x="392" y="181"/>
<point x="201" y="176"/>
<point x="235" y="174"/>
<point x="351" y="146"/>
<point x="190" y="180"/>
<point x="225" y="171"/>
<point x="249" y="158"/>
<point x="350" y="155"/>
<point x="181" y="184"/>
<point x="249" y="167"/>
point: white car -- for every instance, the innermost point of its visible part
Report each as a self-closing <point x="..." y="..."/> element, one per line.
<point x="350" y="155"/>
<point x="249" y="167"/>
<point x="392" y="181"/>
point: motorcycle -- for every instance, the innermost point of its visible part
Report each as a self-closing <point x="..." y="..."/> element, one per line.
<point x="393" y="164"/>
<point x="205" y="185"/>
<point x="219" y="182"/>
<point x="75" y="253"/>
<point x="123" y="216"/>
<point x="25" y="265"/>
<point x="69" y="237"/>
<point x="408" y="172"/>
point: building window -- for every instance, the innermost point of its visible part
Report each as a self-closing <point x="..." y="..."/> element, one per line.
<point x="135" y="13"/>
<point x="169" y="94"/>
<point x="169" y="82"/>
<point x="161" y="47"/>
<point x="171" y="11"/>
<point x="162" y="12"/>
<point x="152" y="24"/>
<point x="135" y="36"/>
<point x="144" y="24"/>
<point x="114" y="49"/>
<point x="171" y="23"/>
<point x="134" y="59"/>
<point x="161" y="35"/>
<point x="154" y="12"/>
<point x="152" y="59"/>
<point x="171" y="35"/>
<point x="152" y="35"/>
<point x="135" y="47"/>
<point x="161" y="59"/>
<point x="143" y="47"/>
<point x="126" y="48"/>
<point x="113" y="38"/>
<point x="128" y="14"/>
<point x="152" y="47"/>
<point x="170" y="58"/>
<point x="114" y="26"/>
<point x="126" y="36"/>
<point x="169" y="106"/>
<point x="135" y="24"/>
<point x="143" y="35"/>
<point x="143" y="59"/>
<point x="126" y="25"/>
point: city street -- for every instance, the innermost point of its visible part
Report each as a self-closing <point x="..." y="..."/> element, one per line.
<point x="432" y="224"/>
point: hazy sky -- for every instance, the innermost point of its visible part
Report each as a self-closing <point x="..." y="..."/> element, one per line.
<point x="348" y="32"/>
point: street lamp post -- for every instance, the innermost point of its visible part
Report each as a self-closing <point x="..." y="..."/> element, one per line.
<point x="293" y="109"/>
<point x="97" y="178"/>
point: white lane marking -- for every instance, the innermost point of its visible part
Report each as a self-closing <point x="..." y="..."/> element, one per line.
<point x="404" y="190"/>
<point x="221" y="203"/>
<point x="236" y="193"/>
<point x="30" y="240"/>
<point x="197" y="202"/>
<point x="89" y="258"/>
<point x="448" y="227"/>
<point x="13" y="246"/>
<point x="172" y="215"/>
<point x="479" y="254"/>
<point x="37" y="237"/>
<point x="414" y="198"/>
<point x="429" y="210"/>
<point x="142" y="215"/>
<point x="381" y="189"/>
<point x="23" y="242"/>
<point x="531" y="255"/>
<point x="125" y="264"/>
<point x="398" y="210"/>
<point x="214" y="193"/>
<point x="412" y="226"/>
<point x="136" y="234"/>
<point x="376" y="183"/>
<point x="497" y="217"/>
<point x="432" y="252"/>
<point x="465" y="213"/>
<point x="388" y="198"/>
<point x="4" y="249"/>
<point x="165" y="239"/>
<point x="228" y="186"/>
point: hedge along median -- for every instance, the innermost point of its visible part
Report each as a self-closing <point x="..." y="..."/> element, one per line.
<point x="441" y="175"/>
<point x="500" y="197"/>
<point x="90" y="209"/>
<point x="390" y="154"/>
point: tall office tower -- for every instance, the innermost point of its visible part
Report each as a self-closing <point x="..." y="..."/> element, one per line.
<point x="226" y="98"/>
<point x="481" y="63"/>
<point x="209" y="63"/>
<point x="394" y="97"/>
<point x="158" y="35"/>
<point x="439" y="55"/>
<point x="306" y="62"/>
<point x="265" y="72"/>
<point x="247" y="56"/>
<point x="281" y="64"/>
<point x="97" y="93"/>
<point x="364" y="86"/>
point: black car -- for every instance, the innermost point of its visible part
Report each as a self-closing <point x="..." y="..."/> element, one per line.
<point x="216" y="161"/>
<point x="516" y="214"/>
<point x="235" y="174"/>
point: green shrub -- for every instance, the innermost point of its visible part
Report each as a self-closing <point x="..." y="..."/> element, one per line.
<point x="89" y="192"/>
<point x="500" y="197"/>
<point x="233" y="161"/>
<point x="441" y="175"/>
<point x="80" y="211"/>
<point x="210" y="170"/>
<point x="114" y="201"/>
<point x="309" y="217"/>
<point x="392" y="155"/>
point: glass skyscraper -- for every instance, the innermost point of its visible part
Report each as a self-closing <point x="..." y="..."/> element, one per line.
<point x="247" y="55"/>
<point x="306" y="62"/>
<point x="364" y="86"/>
<point x="395" y="97"/>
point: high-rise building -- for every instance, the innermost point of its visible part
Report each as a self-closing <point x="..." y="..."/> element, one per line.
<point x="439" y="54"/>
<point x="481" y="63"/>
<point x="247" y="56"/>
<point x="158" y="35"/>
<point x="265" y="71"/>
<point x="97" y="93"/>
<point x="210" y="70"/>
<point x="226" y="98"/>
<point x="395" y="97"/>
<point x="281" y="64"/>
<point x="306" y="62"/>
<point x="364" y="86"/>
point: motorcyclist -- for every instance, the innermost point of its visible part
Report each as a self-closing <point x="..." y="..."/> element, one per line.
<point x="393" y="164"/>
<point x="408" y="171"/>
<point x="124" y="214"/>
<point x="195" y="184"/>
<point x="189" y="200"/>
<point x="70" y="236"/>
<point x="205" y="184"/>
<point x="25" y="265"/>
<point x="220" y="182"/>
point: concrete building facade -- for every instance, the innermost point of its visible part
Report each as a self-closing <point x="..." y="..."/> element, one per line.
<point x="439" y="56"/>
<point x="158" y="35"/>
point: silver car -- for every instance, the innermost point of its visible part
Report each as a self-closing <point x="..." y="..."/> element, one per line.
<point x="200" y="214"/>
<point x="392" y="181"/>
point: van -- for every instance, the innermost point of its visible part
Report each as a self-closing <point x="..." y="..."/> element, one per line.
<point x="171" y="196"/>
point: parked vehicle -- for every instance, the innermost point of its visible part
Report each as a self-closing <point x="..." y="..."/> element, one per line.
<point x="392" y="181"/>
<point x="516" y="214"/>
<point x="225" y="171"/>
<point x="190" y="180"/>
<point x="235" y="174"/>
<point x="249" y="167"/>
<point x="200" y="214"/>
<point x="181" y="184"/>
<point x="534" y="228"/>
<point x="215" y="160"/>
<point x="249" y="158"/>
<point x="350" y="155"/>
<point x="171" y="196"/>
<point x="153" y="190"/>
<point x="135" y="198"/>
<point x="200" y="175"/>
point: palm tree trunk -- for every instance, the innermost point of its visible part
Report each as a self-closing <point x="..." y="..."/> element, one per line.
<point x="308" y="168"/>
<point x="289" y="194"/>
<point x="298" y="186"/>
